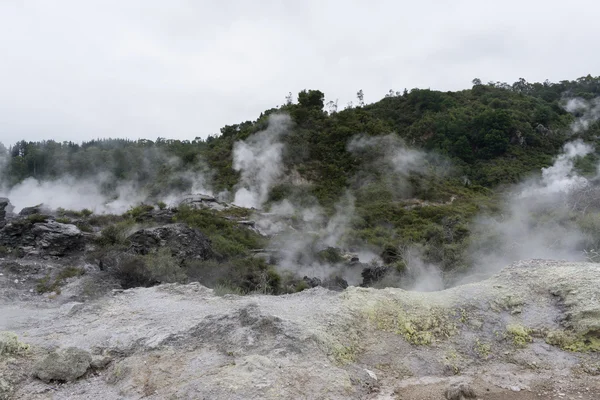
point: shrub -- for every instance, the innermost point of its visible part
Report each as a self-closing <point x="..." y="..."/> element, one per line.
<point x="84" y="226"/>
<point x="35" y="218"/>
<point x="10" y="345"/>
<point x="145" y="271"/>
<point x="139" y="212"/>
<point x="161" y="205"/>
<point x="115" y="234"/>
<point x="331" y="255"/>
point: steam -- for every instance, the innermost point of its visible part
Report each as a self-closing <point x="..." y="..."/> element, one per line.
<point x="302" y="233"/>
<point x="540" y="218"/>
<point x="588" y="112"/>
<point x="71" y="194"/>
<point x="103" y="192"/>
<point x="259" y="159"/>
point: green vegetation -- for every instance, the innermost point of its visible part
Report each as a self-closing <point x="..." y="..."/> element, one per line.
<point x="228" y="238"/>
<point x="471" y="141"/>
<point x="571" y="342"/>
<point x="417" y="327"/>
<point x="519" y="334"/>
<point x="35" y="218"/>
<point x="11" y="346"/>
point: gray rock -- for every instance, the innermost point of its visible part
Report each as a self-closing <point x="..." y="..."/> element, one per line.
<point x="184" y="242"/>
<point x="49" y="237"/>
<point x="39" y="209"/>
<point x="100" y="362"/>
<point x="57" y="239"/>
<point x="202" y="201"/>
<point x="64" y="365"/>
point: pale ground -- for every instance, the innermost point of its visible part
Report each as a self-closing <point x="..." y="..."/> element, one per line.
<point x="183" y="342"/>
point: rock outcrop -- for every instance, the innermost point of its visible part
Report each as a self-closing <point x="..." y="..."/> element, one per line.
<point x="4" y="203"/>
<point x="47" y="237"/>
<point x="183" y="241"/>
<point x="202" y="201"/>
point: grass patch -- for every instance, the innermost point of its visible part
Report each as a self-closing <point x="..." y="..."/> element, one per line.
<point x="48" y="284"/>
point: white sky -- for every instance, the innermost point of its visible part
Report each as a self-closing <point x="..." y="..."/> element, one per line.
<point x="82" y="69"/>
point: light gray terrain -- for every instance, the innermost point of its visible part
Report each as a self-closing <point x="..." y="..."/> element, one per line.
<point x="532" y="331"/>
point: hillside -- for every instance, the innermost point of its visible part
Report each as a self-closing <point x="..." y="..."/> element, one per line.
<point x="403" y="249"/>
<point x="417" y="182"/>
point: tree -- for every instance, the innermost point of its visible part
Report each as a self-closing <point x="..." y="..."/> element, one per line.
<point x="311" y="99"/>
<point x="361" y="98"/>
<point x="288" y="99"/>
<point x="476" y="82"/>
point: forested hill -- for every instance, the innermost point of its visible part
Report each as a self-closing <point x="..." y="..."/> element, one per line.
<point x="493" y="133"/>
<point x="418" y="178"/>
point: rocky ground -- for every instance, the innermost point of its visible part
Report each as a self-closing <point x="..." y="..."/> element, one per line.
<point x="530" y="332"/>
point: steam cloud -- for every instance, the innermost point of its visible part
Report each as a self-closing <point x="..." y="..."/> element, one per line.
<point x="539" y="218"/>
<point x="259" y="159"/>
<point x="589" y="112"/>
<point x="99" y="193"/>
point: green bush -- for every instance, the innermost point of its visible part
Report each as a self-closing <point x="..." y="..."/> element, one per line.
<point x="138" y="213"/>
<point x="149" y="270"/>
<point x="115" y="234"/>
<point x="35" y="218"/>
<point x="331" y="255"/>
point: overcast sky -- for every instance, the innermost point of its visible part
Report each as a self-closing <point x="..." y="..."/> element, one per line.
<point x="82" y="69"/>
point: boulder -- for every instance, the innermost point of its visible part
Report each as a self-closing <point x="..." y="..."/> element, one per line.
<point x="39" y="209"/>
<point x="202" y="201"/>
<point x="49" y="237"/>
<point x="372" y="275"/>
<point x="184" y="242"/>
<point x="65" y="365"/>
<point x="58" y="239"/>
<point x="333" y="283"/>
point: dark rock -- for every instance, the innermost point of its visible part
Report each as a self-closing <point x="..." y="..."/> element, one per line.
<point x="312" y="282"/>
<point x="50" y="237"/>
<point x="184" y="242"/>
<point x="39" y="209"/>
<point x="64" y="365"/>
<point x="335" y="283"/>
<point x="4" y="204"/>
<point x="372" y="275"/>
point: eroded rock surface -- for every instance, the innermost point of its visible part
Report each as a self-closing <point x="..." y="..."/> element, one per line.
<point x="47" y="237"/>
<point x="184" y="242"/>
<point x="507" y="337"/>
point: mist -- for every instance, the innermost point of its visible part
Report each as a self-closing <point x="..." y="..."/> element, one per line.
<point x="259" y="159"/>
<point x="539" y="218"/>
<point x="588" y="112"/>
<point x="101" y="190"/>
